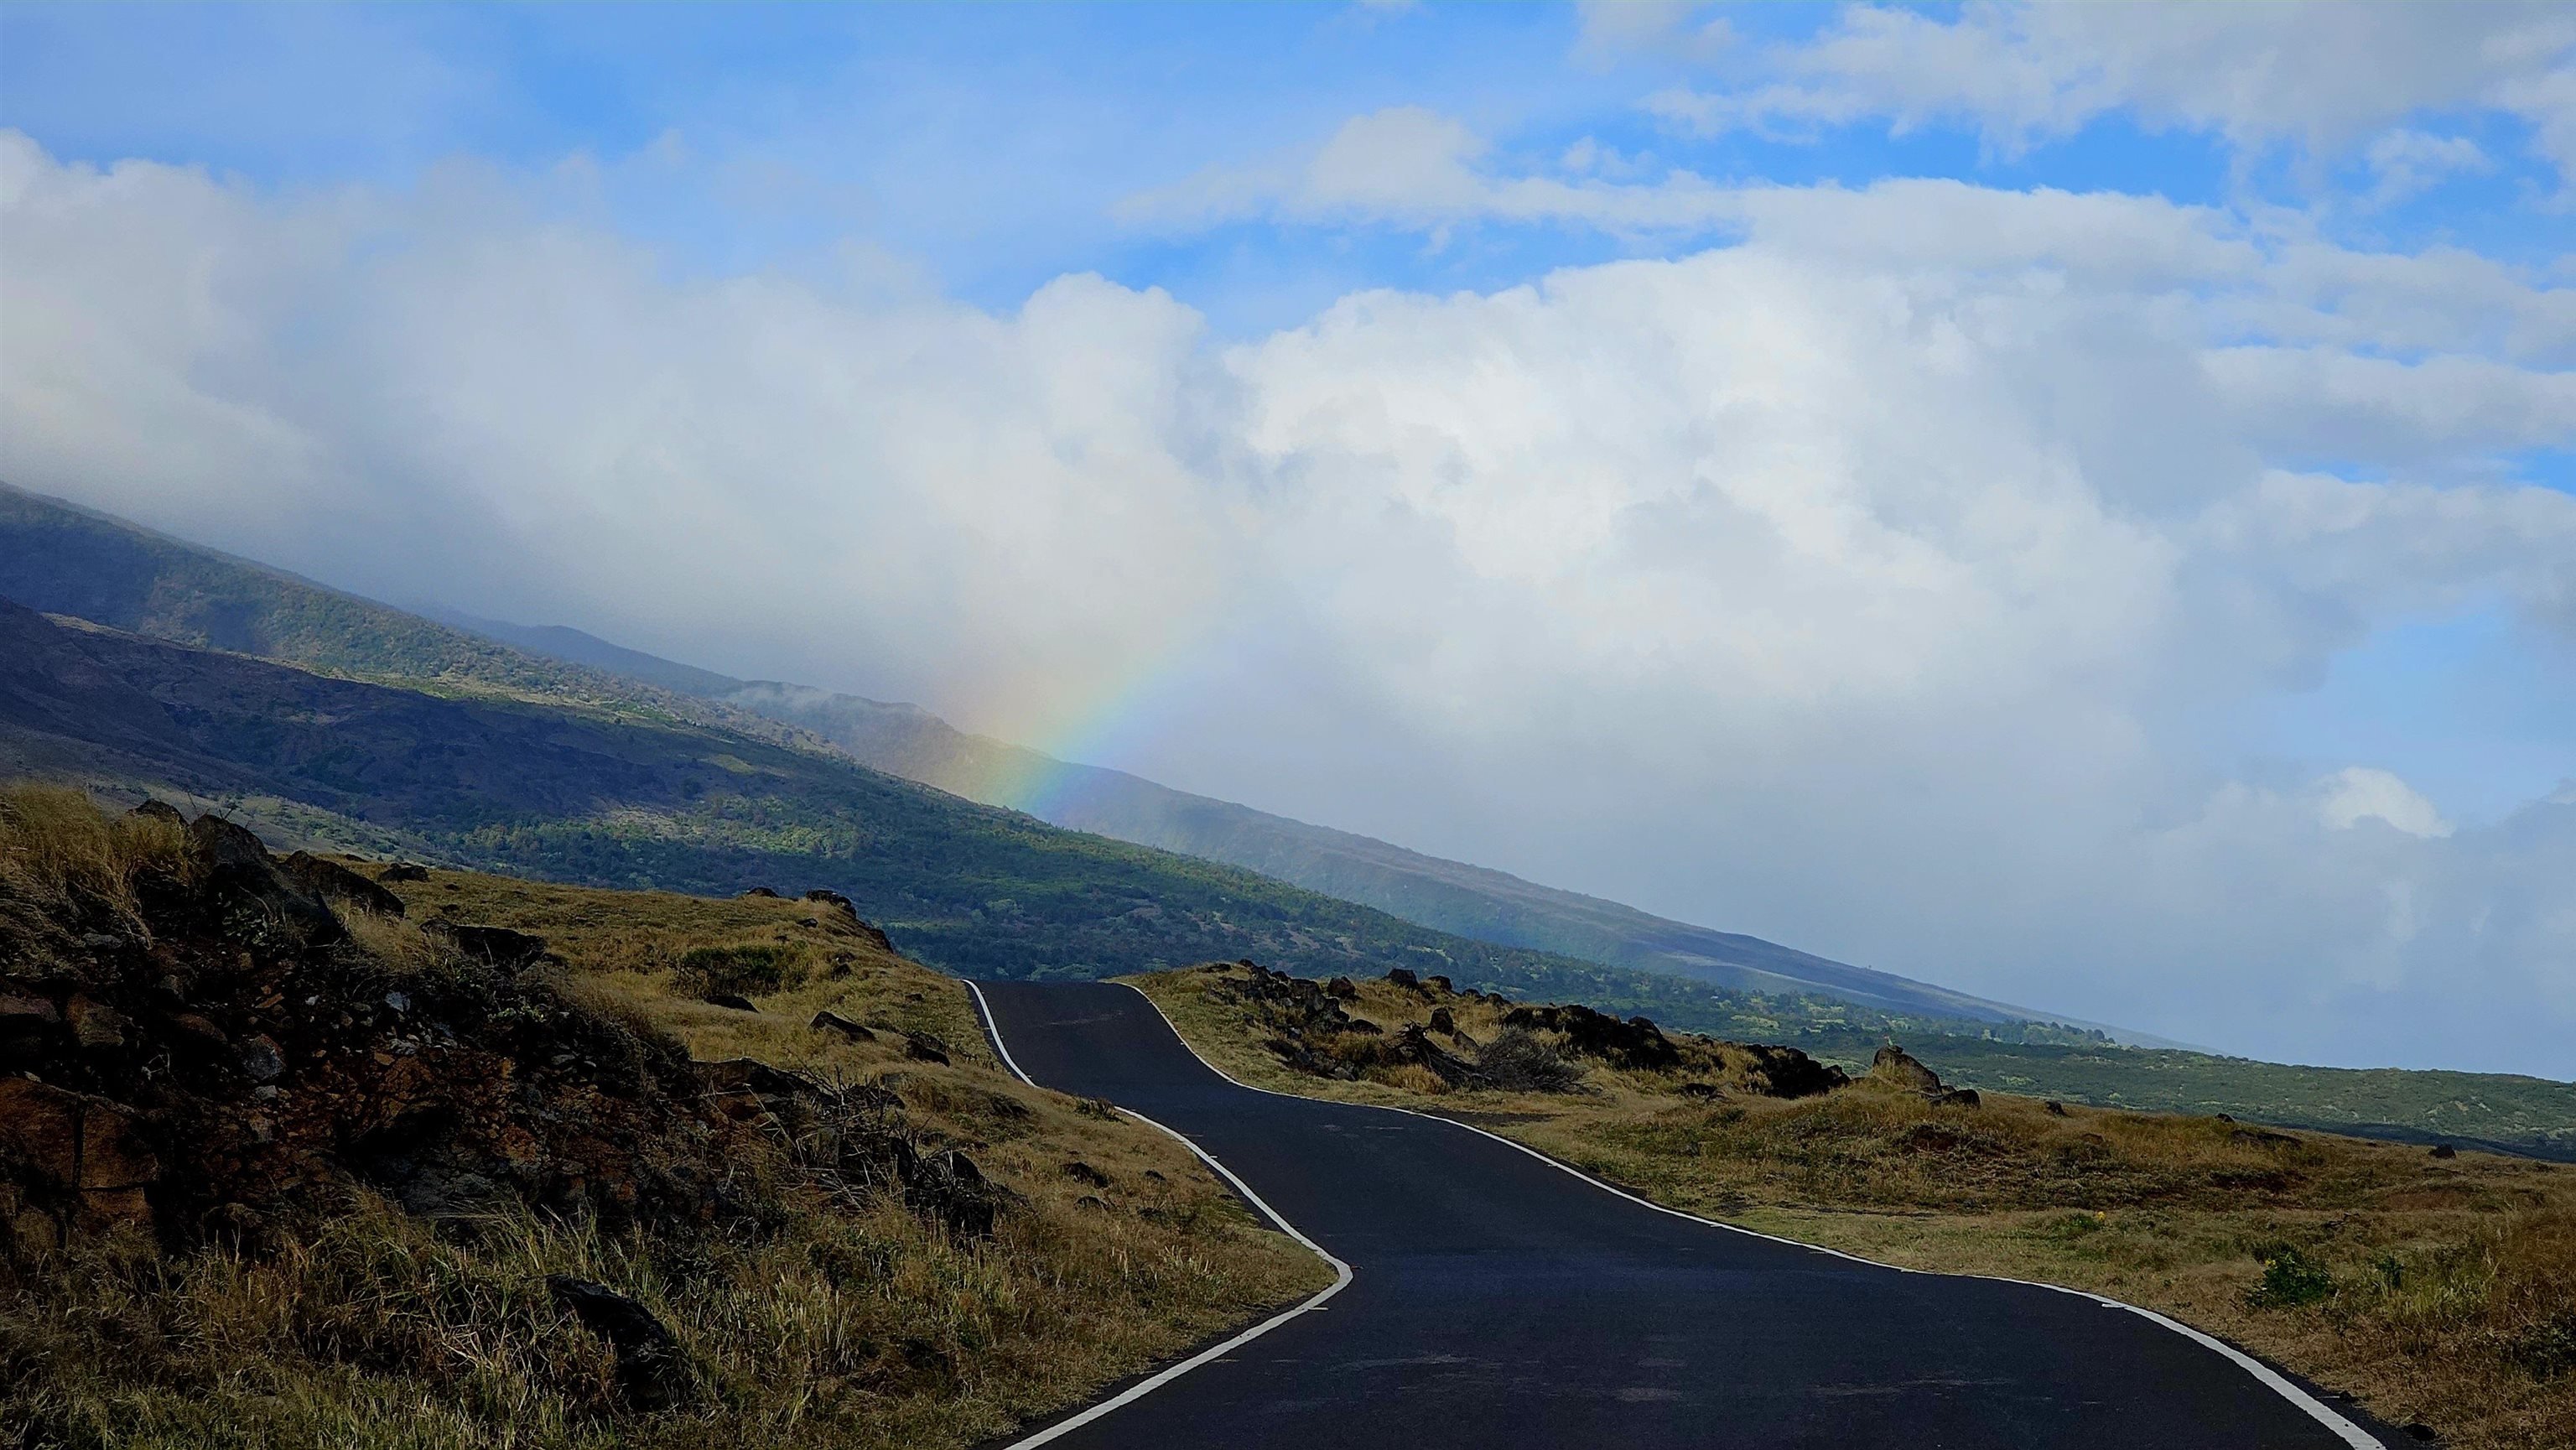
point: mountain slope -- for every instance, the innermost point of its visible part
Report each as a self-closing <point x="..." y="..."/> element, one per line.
<point x="588" y="795"/>
<point x="63" y="559"/>
<point x="1451" y="896"/>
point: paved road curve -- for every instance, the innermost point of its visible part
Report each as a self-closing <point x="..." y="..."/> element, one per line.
<point x="1501" y="1303"/>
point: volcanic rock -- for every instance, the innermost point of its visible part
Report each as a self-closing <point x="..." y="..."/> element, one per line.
<point x="651" y="1372"/>
<point x="81" y="1159"/>
<point x="332" y="881"/>
<point x="828" y="1021"/>
<point x="1893" y="1064"/>
<point x="255" y="900"/>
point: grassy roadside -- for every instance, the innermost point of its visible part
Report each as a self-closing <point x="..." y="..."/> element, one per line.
<point x="809" y="1303"/>
<point x="2438" y="1292"/>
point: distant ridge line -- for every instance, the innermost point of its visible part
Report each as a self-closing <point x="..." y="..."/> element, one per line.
<point x="1479" y="902"/>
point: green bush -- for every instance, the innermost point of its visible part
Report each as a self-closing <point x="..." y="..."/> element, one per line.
<point x="2290" y="1279"/>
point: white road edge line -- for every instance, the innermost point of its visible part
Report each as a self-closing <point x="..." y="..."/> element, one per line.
<point x="1341" y="1271"/>
<point x="2350" y="1433"/>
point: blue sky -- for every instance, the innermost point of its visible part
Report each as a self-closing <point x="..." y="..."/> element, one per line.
<point x="991" y="145"/>
<point x="1786" y="442"/>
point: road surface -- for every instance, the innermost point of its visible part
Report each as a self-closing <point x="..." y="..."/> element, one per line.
<point x="1499" y="1302"/>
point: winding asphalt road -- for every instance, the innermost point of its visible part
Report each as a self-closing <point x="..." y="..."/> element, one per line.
<point x="1500" y="1302"/>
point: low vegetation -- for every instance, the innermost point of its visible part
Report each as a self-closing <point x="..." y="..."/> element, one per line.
<point x="2436" y="1287"/>
<point x="278" y="1168"/>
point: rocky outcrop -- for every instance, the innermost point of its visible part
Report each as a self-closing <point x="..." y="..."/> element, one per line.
<point x="251" y="899"/>
<point x="80" y="1162"/>
<point x="212" y="1060"/>
<point x="1785" y="1072"/>
<point x="652" y="1374"/>
<point x="333" y="882"/>
<point x="828" y="1021"/>
<point x="1898" y="1068"/>
<point x="1636" y="1043"/>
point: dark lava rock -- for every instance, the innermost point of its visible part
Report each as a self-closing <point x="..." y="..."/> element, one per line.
<point x="1440" y="985"/>
<point x="1786" y="1072"/>
<point x="25" y="1016"/>
<point x="403" y="871"/>
<point x="1955" y="1098"/>
<point x="493" y="946"/>
<point x="1635" y="1043"/>
<point x="2055" y="1108"/>
<point x="950" y="1188"/>
<point x="96" y="1027"/>
<point x="1081" y="1172"/>
<point x="651" y="1372"/>
<point x="729" y="1000"/>
<point x="256" y="902"/>
<point x="83" y="1161"/>
<point x="1895" y="1065"/>
<point x="332" y="881"/>
<point x="159" y="810"/>
<point x="828" y="1021"/>
<point x="832" y="898"/>
<point x="761" y="891"/>
<point x="1443" y="1021"/>
<point x="1403" y="977"/>
<point x="1343" y="988"/>
<point x="922" y="1047"/>
<point x="261" y="1061"/>
<point x="2445" y="1150"/>
<point x="1411" y="1044"/>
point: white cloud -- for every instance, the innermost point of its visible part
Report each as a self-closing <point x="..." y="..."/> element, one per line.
<point x="1867" y="583"/>
<point x="2358" y="793"/>
<point x="2406" y="162"/>
<point x="1415" y="167"/>
<point x="2323" y="77"/>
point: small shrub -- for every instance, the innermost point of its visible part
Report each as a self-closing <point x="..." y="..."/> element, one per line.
<point x="1520" y="1061"/>
<point x="2547" y="1349"/>
<point x="2073" y="1226"/>
<point x="2290" y="1279"/>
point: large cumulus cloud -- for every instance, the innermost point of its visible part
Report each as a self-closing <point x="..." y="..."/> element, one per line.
<point x="1868" y="581"/>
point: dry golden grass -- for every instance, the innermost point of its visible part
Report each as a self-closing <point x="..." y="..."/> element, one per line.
<point x="816" y="1323"/>
<point x="2436" y="1291"/>
<point x="58" y="852"/>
